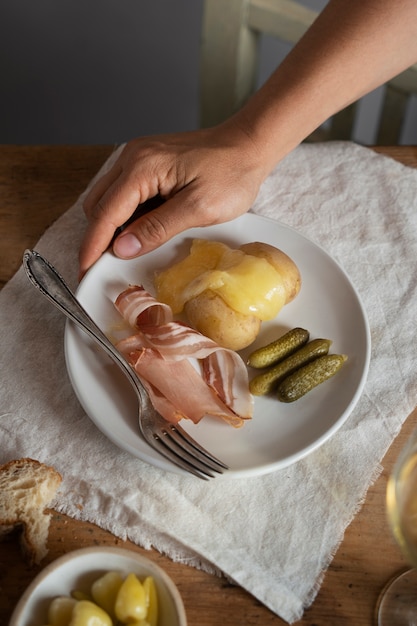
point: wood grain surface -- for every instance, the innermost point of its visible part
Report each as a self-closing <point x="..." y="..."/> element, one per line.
<point x="37" y="185"/>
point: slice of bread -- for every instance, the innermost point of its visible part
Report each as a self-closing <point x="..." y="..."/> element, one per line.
<point x="26" y="488"/>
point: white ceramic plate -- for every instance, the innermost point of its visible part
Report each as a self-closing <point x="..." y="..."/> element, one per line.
<point x="80" y="568"/>
<point x="279" y="434"/>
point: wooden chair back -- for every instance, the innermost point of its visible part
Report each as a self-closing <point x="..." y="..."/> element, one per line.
<point x="230" y="53"/>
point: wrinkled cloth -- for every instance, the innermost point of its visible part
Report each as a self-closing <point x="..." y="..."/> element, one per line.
<point x="276" y="534"/>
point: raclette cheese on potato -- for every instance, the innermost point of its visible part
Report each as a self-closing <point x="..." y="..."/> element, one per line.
<point x="226" y="293"/>
<point x="248" y="284"/>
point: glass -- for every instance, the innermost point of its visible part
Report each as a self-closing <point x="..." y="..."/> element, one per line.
<point x="398" y="601"/>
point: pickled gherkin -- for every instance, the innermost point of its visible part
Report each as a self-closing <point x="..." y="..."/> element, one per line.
<point x="279" y="349"/>
<point x="309" y="376"/>
<point x="269" y="380"/>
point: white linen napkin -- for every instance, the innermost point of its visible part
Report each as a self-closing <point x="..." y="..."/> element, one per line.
<point x="274" y="535"/>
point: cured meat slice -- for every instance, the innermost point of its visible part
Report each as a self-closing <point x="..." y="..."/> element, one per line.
<point x="177" y="390"/>
<point x="139" y="308"/>
<point x="164" y="354"/>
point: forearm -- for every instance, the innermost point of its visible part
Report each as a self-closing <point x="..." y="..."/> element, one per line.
<point x="213" y="175"/>
<point x="353" y="47"/>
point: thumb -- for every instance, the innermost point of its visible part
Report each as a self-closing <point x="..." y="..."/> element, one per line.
<point x="155" y="228"/>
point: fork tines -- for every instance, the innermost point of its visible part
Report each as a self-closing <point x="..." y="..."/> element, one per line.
<point x="184" y="451"/>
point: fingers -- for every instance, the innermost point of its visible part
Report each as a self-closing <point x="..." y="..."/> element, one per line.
<point x="131" y="181"/>
<point x="159" y="225"/>
<point x="206" y="182"/>
<point x="110" y="203"/>
<point x="92" y="246"/>
<point x="199" y="203"/>
<point x="100" y="187"/>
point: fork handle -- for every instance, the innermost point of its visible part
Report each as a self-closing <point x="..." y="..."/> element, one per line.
<point x="50" y="283"/>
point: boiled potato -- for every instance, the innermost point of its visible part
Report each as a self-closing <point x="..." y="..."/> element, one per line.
<point x="60" y="611"/>
<point x="130" y="604"/>
<point x="105" y="589"/>
<point x="212" y="317"/>
<point x="226" y="293"/>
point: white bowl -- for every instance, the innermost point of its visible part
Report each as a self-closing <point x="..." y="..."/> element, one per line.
<point x="79" y="569"/>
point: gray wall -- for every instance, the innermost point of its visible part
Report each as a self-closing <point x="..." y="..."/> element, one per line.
<point x="97" y="71"/>
<point x="104" y="71"/>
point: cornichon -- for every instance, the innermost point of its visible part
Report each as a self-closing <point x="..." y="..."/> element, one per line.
<point x="267" y="381"/>
<point x="309" y="376"/>
<point x="279" y="349"/>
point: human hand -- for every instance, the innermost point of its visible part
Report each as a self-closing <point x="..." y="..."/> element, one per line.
<point x="205" y="177"/>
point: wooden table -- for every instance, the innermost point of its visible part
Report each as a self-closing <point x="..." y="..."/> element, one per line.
<point x="37" y="185"/>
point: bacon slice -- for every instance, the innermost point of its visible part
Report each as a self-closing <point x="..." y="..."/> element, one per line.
<point x="160" y="352"/>
<point x="142" y="310"/>
<point x="180" y="392"/>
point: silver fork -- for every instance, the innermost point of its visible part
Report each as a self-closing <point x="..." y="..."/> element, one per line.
<point x="168" y="439"/>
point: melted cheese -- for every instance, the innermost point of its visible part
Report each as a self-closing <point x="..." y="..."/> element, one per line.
<point x="248" y="284"/>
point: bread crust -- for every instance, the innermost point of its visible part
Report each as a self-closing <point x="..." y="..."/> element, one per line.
<point x="27" y="487"/>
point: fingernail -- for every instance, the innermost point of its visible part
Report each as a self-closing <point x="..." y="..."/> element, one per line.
<point x="127" y="246"/>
